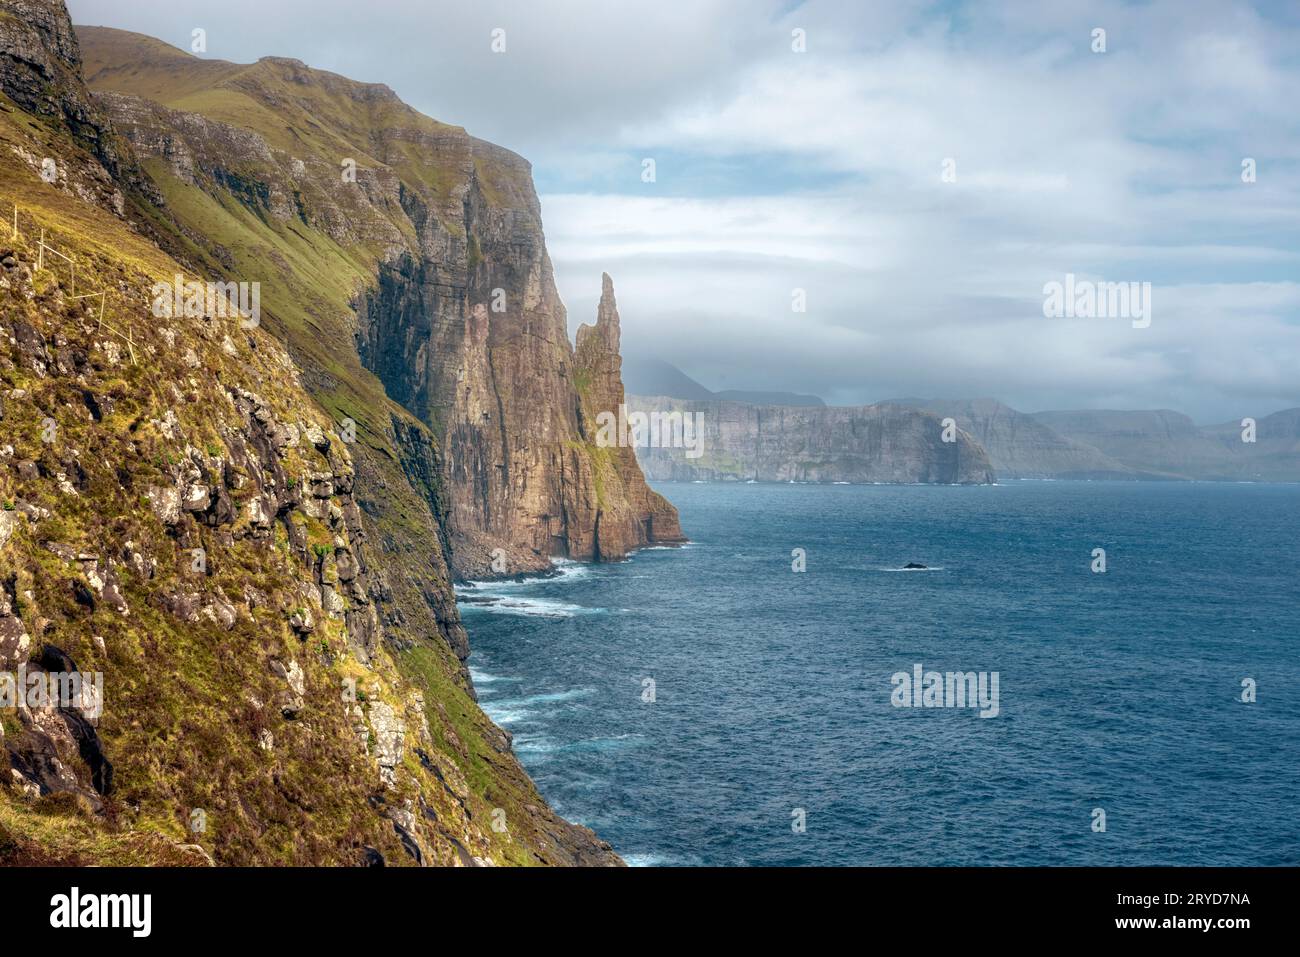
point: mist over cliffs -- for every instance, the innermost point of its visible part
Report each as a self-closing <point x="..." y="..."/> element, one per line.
<point x="773" y="436"/>
<point x="1155" y="445"/>
<point x="1020" y="446"/>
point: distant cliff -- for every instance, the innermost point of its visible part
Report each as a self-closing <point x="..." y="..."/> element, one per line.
<point x="1124" y="445"/>
<point x="875" y="443"/>
<point x="1019" y="446"/>
<point x="1168" y="444"/>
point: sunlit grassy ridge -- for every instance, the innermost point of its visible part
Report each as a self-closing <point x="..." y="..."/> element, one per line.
<point x="330" y="116"/>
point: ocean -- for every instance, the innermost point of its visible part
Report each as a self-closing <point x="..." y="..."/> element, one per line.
<point x="709" y="705"/>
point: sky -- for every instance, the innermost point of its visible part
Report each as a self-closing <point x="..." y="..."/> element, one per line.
<point x="916" y="174"/>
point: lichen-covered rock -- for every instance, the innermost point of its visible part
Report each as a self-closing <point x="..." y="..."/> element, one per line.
<point x="166" y="503"/>
<point x="8" y="525"/>
<point x="389" y="731"/>
<point x="292" y="701"/>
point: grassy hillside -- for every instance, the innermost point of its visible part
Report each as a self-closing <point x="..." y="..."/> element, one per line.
<point x="217" y="696"/>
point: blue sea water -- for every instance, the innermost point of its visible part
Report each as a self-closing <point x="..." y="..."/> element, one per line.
<point x="772" y="689"/>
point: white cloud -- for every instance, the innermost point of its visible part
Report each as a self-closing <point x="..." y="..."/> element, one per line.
<point x="821" y="171"/>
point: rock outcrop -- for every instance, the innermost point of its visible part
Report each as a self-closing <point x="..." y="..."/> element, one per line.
<point x="40" y="71"/>
<point x="875" y="443"/>
<point x="628" y="513"/>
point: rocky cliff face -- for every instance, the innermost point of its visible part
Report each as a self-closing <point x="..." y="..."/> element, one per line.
<point x="876" y="443"/>
<point x="630" y="515"/>
<point x="473" y="340"/>
<point x="41" y="66"/>
<point x="435" y="239"/>
<point x="40" y="63"/>
<point x="187" y="513"/>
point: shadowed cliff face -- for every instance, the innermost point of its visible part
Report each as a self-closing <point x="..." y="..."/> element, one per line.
<point x="41" y="65"/>
<point x="40" y="62"/>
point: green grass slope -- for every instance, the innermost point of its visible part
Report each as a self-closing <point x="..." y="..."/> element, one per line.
<point x="194" y="716"/>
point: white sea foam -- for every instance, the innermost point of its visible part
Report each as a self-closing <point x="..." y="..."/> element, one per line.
<point x="564" y="574"/>
<point x="506" y="717"/>
<point x="512" y="711"/>
<point x="541" y="745"/>
<point x="532" y="744"/>
<point x="483" y="678"/>
<point x="532" y="607"/>
<point x="563" y="570"/>
<point x="547" y="698"/>
<point x="651" y="859"/>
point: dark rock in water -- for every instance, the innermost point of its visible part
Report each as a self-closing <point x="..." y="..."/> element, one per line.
<point x="914" y="565"/>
